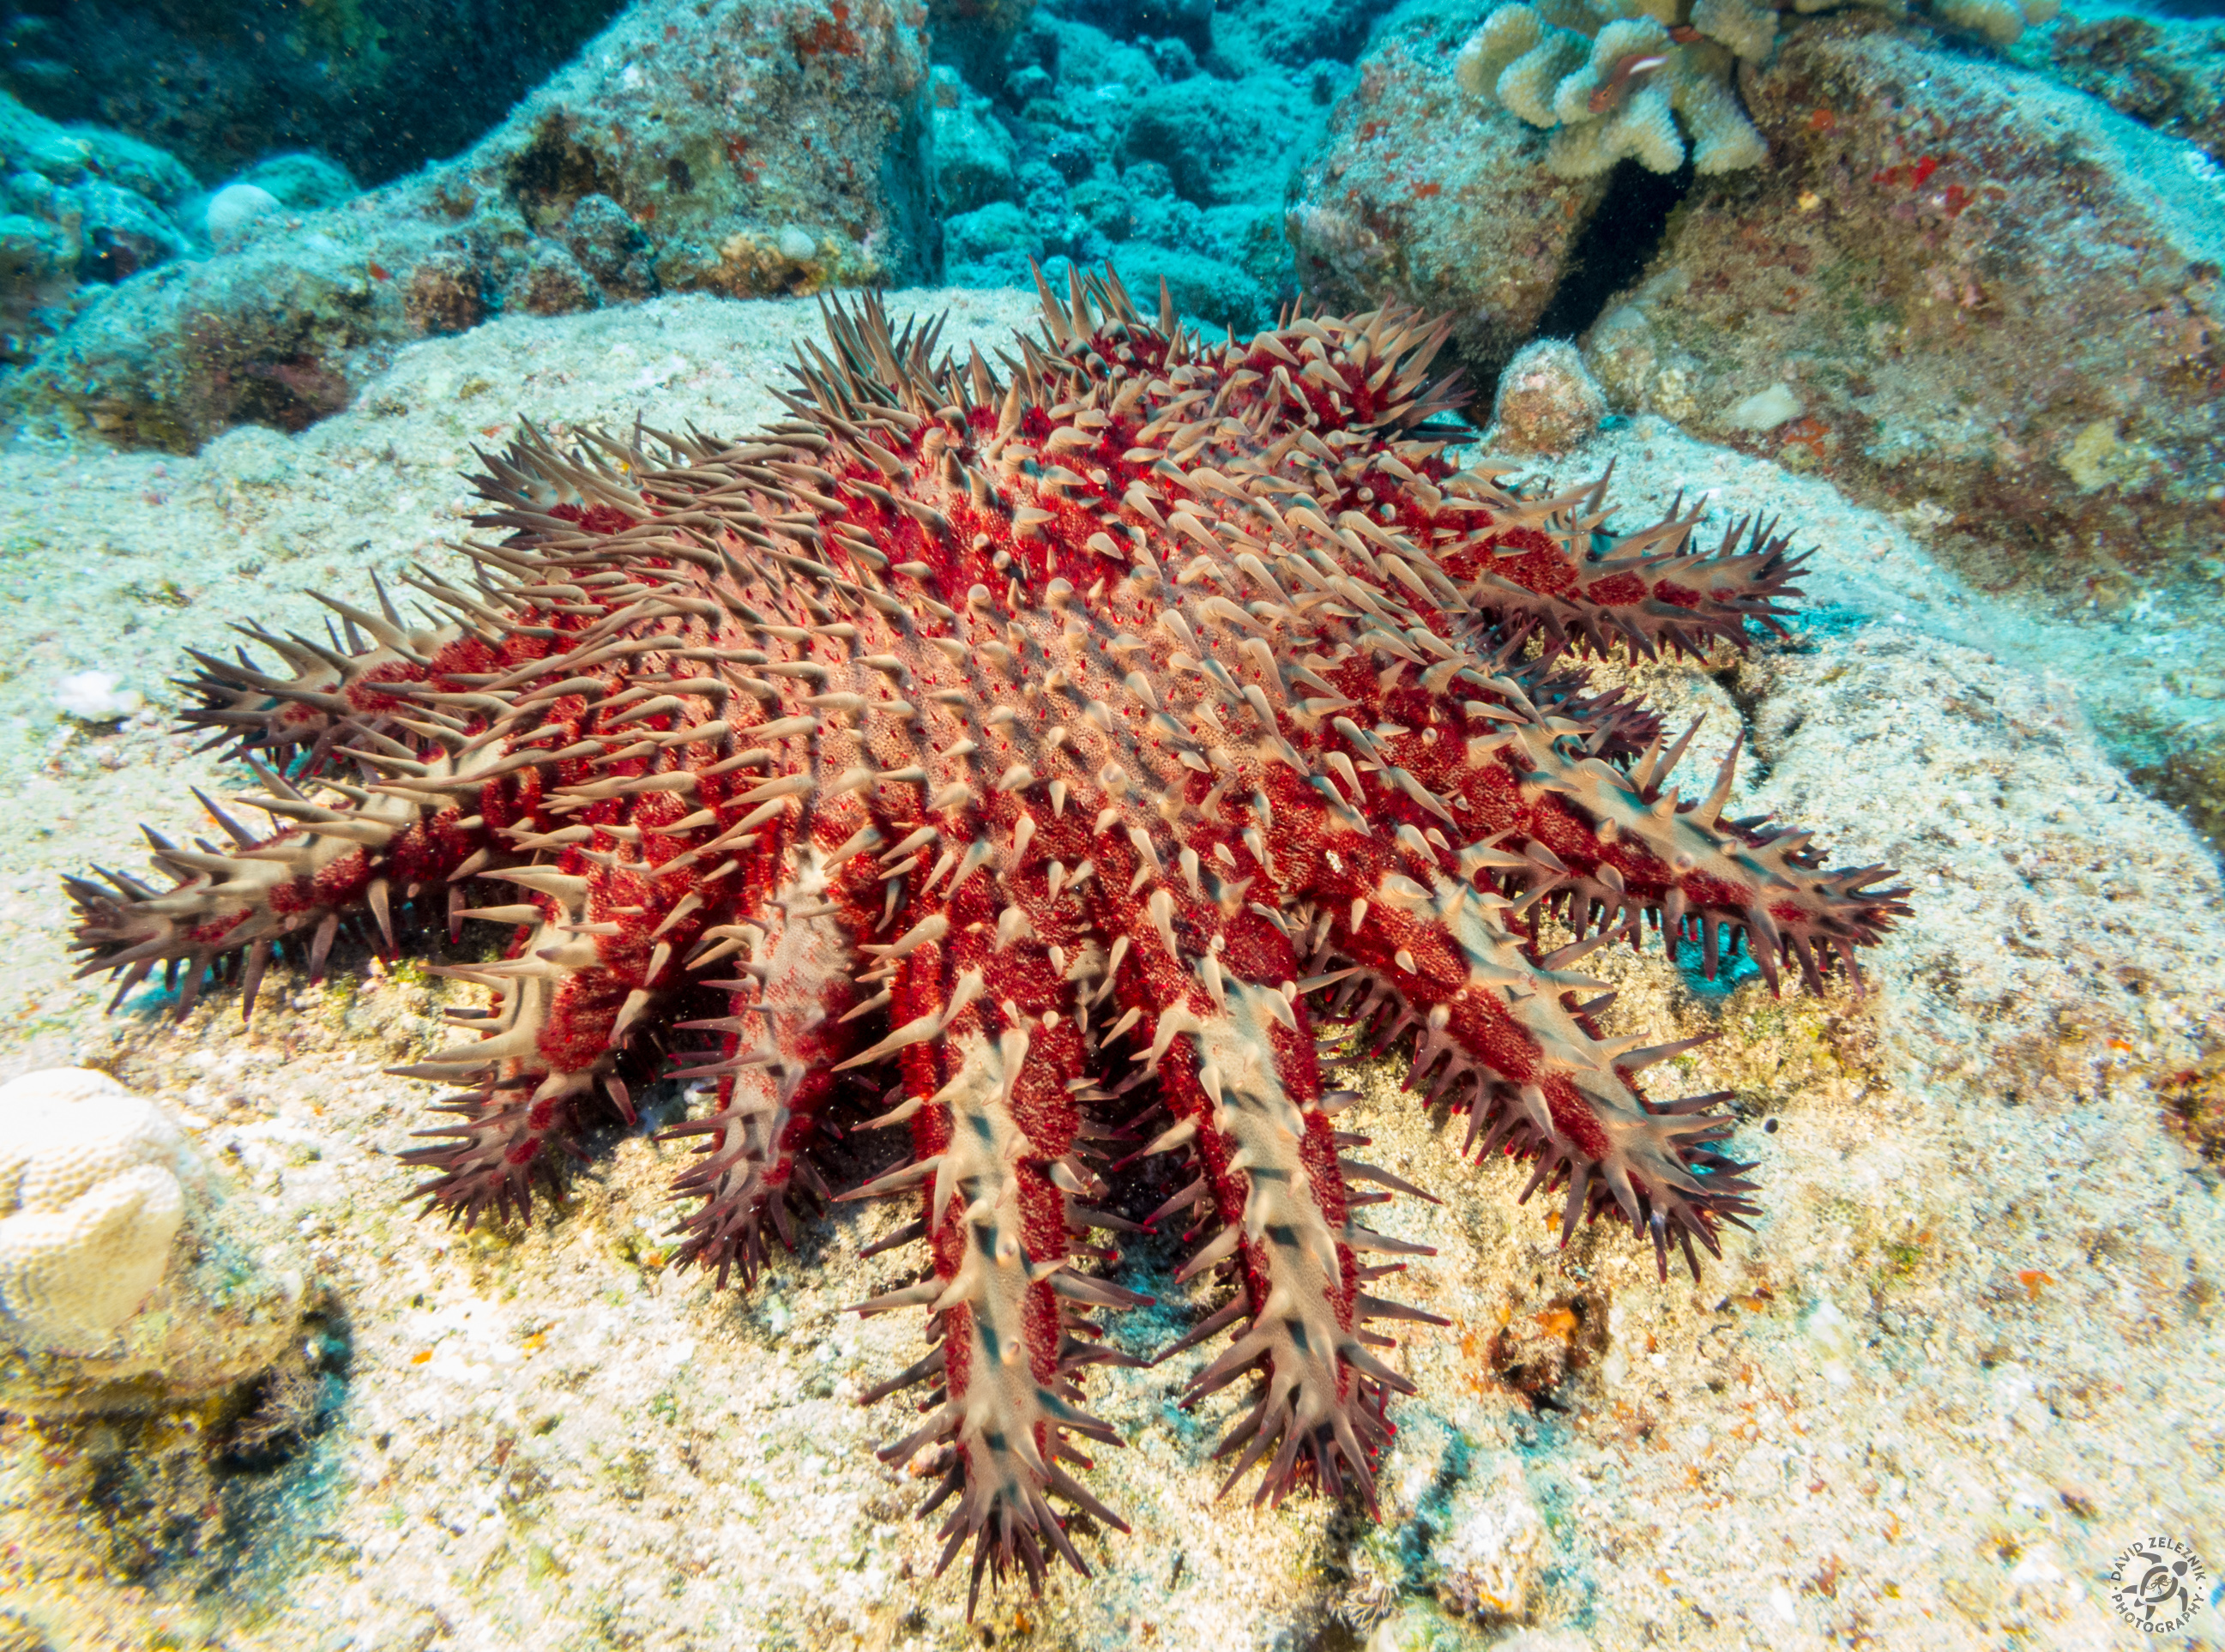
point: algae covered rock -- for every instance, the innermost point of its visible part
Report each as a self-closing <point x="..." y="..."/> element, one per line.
<point x="1979" y="292"/>
<point x="1421" y="192"/>
<point x="1547" y="401"/>
<point x="743" y="147"/>
<point x="126" y="1277"/>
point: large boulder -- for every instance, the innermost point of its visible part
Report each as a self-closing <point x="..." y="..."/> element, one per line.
<point x="741" y="146"/>
<point x="1421" y="192"/>
<point x="1957" y="289"/>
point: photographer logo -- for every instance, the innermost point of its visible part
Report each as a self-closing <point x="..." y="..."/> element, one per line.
<point x="2157" y="1586"/>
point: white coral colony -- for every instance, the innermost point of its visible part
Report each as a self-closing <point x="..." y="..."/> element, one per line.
<point x="92" y="1195"/>
<point x="1616" y="77"/>
<point x="1612" y="78"/>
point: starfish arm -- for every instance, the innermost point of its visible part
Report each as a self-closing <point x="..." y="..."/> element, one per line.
<point x="1542" y="814"/>
<point x="1548" y="567"/>
<point x="1495" y="1026"/>
<point x="336" y="854"/>
<point x="1244" y="1091"/>
<point x="992" y="1069"/>
<point x="789" y="1025"/>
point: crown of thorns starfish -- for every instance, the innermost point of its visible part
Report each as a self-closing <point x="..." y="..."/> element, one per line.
<point x="1074" y="742"/>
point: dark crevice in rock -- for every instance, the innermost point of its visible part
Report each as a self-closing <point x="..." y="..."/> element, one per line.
<point x="1615" y="246"/>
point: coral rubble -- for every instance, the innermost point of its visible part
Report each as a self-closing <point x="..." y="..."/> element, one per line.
<point x="1129" y="720"/>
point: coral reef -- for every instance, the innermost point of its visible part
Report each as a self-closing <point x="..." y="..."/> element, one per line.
<point x="975" y="157"/>
<point x="1109" y="134"/>
<point x="123" y="1280"/>
<point x="1130" y="718"/>
<point x="745" y="147"/>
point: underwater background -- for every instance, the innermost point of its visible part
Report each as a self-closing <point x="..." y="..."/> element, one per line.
<point x="1934" y="287"/>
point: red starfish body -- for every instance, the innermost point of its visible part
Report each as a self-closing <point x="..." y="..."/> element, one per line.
<point x="1033" y="740"/>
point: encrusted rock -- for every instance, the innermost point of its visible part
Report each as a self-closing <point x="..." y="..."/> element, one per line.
<point x="125" y="1277"/>
<point x="1965" y="286"/>
<point x="711" y="128"/>
<point x="1548" y="400"/>
<point x="444" y="294"/>
<point x="611" y="248"/>
<point x="549" y="281"/>
<point x="1421" y="192"/>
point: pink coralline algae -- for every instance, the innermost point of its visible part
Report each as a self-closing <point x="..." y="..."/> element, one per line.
<point x="1062" y="750"/>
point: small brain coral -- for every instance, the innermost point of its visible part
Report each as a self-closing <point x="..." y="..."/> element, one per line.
<point x="1616" y="77"/>
<point x="91" y="1194"/>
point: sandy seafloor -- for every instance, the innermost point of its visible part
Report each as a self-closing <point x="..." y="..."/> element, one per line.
<point x="1971" y="1350"/>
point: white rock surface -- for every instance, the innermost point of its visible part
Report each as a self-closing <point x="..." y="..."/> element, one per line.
<point x="91" y="1194"/>
<point x="1495" y="1541"/>
<point x="232" y="208"/>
